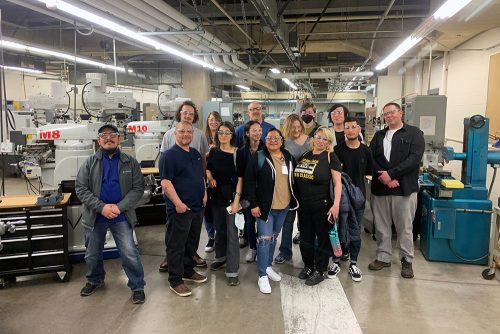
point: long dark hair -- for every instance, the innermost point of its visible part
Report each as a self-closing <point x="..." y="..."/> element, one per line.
<point x="228" y="125"/>
<point x="282" y="147"/>
<point x="247" y="127"/>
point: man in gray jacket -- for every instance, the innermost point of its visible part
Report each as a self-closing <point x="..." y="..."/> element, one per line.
<point x="109" y="184"/>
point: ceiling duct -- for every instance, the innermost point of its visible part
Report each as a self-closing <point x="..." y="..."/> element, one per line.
<point x="271" y="23"/>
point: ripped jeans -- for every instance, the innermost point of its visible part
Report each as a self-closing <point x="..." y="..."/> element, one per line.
<point x="268" y="231"/>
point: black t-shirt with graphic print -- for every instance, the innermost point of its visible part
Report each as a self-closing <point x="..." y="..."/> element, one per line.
<point x="312" y="175"/>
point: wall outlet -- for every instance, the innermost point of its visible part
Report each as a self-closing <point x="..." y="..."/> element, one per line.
<point x="7" y="147"/>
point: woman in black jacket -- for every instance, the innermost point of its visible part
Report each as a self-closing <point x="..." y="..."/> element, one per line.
<point x="268" y="187"/>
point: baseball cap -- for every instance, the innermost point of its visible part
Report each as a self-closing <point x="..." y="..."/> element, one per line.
<point x="107" y="126"/>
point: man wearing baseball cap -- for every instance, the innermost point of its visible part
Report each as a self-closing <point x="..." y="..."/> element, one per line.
<point x="109" y="185"/>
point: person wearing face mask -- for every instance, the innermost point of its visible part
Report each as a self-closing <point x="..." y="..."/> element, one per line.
<point x="110" y="184"/>
<point x="307" y="114"/>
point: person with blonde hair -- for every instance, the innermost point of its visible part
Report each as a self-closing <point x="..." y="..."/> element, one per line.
<point x="297" y="143"/>
<point x="314" y="172"/>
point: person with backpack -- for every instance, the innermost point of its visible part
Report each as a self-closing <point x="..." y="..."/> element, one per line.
<point x="357" y="163"/>
<point x="268" y="188"/>
<point x="314" y="173"/>
<point x="226" y="188"/>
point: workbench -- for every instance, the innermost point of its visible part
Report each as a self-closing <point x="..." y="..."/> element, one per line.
<point x="39" y="243"/>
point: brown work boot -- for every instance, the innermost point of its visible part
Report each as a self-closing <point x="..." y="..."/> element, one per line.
<point x="163" y="265"/>
<point x="181" y="290"/>
<point x="377" y="265"/>
<point x="200" y="263"/>
<point x="406" y="269"/>
<point x="197" y="278"/>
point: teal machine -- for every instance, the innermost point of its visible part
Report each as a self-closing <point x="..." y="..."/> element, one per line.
<point x="456" y="219"/>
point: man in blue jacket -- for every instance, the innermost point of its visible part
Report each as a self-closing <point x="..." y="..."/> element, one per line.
<point x="110" y="184"/>
<point x="397" y="151"/>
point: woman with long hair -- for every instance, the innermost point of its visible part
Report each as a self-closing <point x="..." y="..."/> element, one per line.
<point x="253" y="144"/>
<point x="213" y="121"/>
<point x="314" y="173"/>
<point x="226" y="188"/>
<point x="268" y="188"/>
<point x="297" y="143"/>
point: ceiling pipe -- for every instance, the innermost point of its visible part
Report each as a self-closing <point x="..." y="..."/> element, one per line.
<point x="129" y="13"/>
<point x="319" y="75"/>
<point x="219" y="63"/>
<point x="233" y="21"/>
<point x="228" y="62"/>
<point x="185" y="21"/>
<point x="52" y="14"/>
<point x="238" y="63"/>
<point x="384" y="16"/>
<point x="171" y="23"/>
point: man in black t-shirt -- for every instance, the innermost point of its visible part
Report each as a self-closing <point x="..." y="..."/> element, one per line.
<point x="356" y="162"/>
<point x="355" y="157"/>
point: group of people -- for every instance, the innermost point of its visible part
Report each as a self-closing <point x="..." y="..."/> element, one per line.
<point x="273" y="179"/>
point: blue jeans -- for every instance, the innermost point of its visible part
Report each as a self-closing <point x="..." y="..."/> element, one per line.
<point x="209" y="223"/>
<point x="359" y="216"/>
<point x="131" y="261"/>
<point x="286" y="235"/>
<point x="270" y="228"/>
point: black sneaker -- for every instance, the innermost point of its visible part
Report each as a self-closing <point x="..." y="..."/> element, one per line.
<point x="305" y="273"/>
<point x="355" y="273"/>
<point x="315" y="278"/>
<point x="138" y="297"/>
<point x="233" y="281"/>
<point x="345" y="256"/>
<point x="217" y="265"/>
<point x="209" y="248"/>
<point x="89" y="289"/>
<point x="296" y="238"/>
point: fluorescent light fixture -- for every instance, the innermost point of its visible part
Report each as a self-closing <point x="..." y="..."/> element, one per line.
<point x="407" y="44"/>
<point x="275" y="70"/>
<point x="447" y="10"/>
<point x="22" y="69"/>
<point x="130" y="70"/>
<point x="450" y="8"/>
<point x="289" y="83"/>
<point x="108" y="24"/>
<point x="56" y="54"/>
<point x="243" y="87"/>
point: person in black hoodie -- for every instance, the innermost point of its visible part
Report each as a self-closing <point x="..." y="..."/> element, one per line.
<point x="268" y="188"/>
<point x="397" y="151"/>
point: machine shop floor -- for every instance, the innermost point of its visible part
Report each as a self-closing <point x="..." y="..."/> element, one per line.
<point x="442" y="298"/>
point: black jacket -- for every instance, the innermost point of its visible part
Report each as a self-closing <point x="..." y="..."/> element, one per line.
<point x="258" y="185"/>
<point x="408" y="147"/>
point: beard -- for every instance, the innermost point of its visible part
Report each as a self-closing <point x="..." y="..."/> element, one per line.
<point x="109" y="151"/>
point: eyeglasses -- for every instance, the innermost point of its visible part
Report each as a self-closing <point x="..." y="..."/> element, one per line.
<point x="275" y="138"/>
<point x="187" y="113"/>
<point x="256" y="130"/>
<point x="321" y="138"/>
<point x="255" y="109"/>
<point x="351" y="127"/>
<point x="182" y="131"/>
<point x="338" y="112"/>
<point x="224" y="133"/>
<point x="108" y="135"/>
<point x="389" y="113"/>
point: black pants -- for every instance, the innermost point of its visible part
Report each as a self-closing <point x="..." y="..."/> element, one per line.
<point x="182" y="245"/>
<point x="314" y="226"/>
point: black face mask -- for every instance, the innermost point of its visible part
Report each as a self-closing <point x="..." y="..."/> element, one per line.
<point x="307" y="118"/>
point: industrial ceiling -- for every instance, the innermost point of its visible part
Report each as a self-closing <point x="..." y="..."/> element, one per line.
<point x="317" y="39"/>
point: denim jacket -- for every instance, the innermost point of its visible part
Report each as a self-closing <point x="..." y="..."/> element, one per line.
<point x="89" y="182"/>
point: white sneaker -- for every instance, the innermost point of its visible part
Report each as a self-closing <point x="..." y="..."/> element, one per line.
<point x="264" y="286"/>
<point x="251" y="255"/>
<point x="274" y="276"/>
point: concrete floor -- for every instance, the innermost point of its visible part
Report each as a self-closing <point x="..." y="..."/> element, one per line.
<point x="441" y="298"/>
